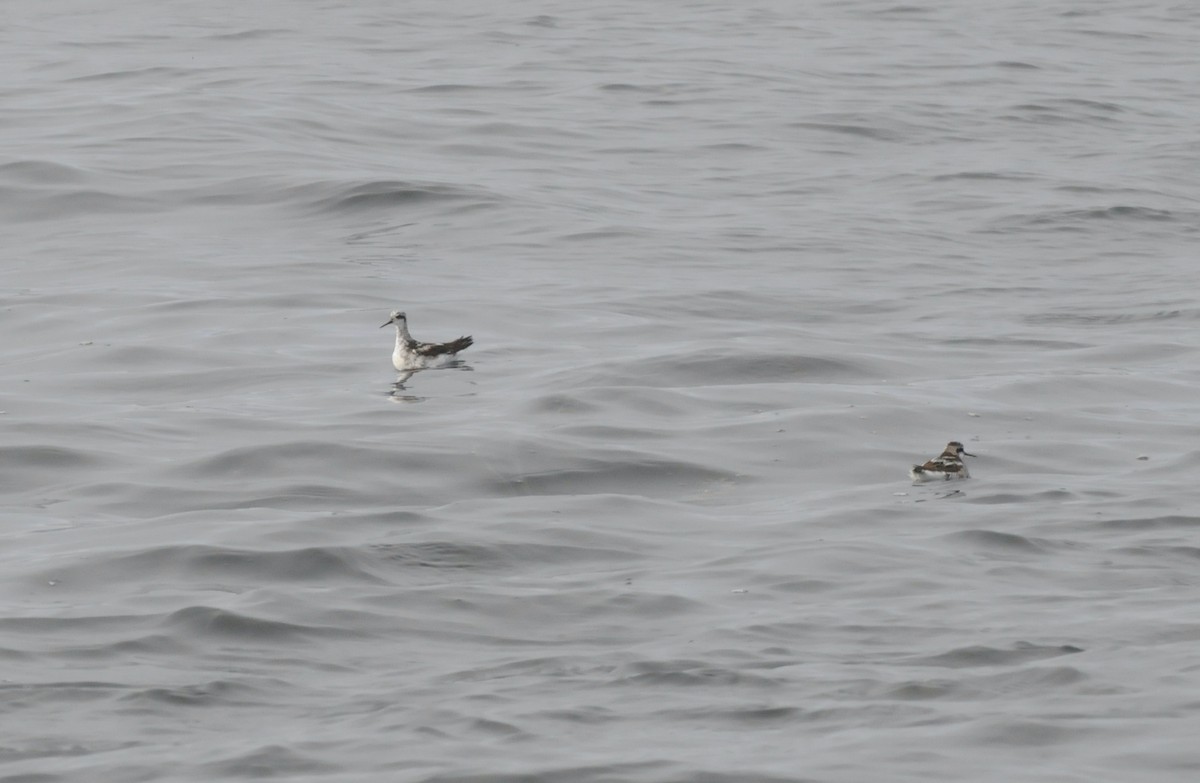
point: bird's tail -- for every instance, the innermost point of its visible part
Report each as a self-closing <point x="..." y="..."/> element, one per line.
<point x="461" y="344"/>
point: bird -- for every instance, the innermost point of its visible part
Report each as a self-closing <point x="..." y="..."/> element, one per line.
<point x="947" y="465"/>
<point x="412" y="355"/>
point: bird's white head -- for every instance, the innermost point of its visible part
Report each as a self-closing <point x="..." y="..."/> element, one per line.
<point x="397" y="317"/>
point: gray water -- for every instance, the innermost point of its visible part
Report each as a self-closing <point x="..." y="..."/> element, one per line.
<point x="730" y="271"/>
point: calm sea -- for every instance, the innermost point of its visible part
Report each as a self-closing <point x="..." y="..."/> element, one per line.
<point x="730" y="269"/>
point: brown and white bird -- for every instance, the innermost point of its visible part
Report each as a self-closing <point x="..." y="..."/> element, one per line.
<point x="412" y="355"/>
<point x="947" y="465"/>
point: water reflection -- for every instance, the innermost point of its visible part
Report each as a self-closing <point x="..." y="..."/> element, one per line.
<point x="400" y="392"/>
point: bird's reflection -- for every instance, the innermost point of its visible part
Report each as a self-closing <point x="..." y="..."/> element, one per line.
<point x="400" y="392"/>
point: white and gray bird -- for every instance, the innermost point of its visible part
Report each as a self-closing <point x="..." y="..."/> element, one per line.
<point x="412" y="355"/>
